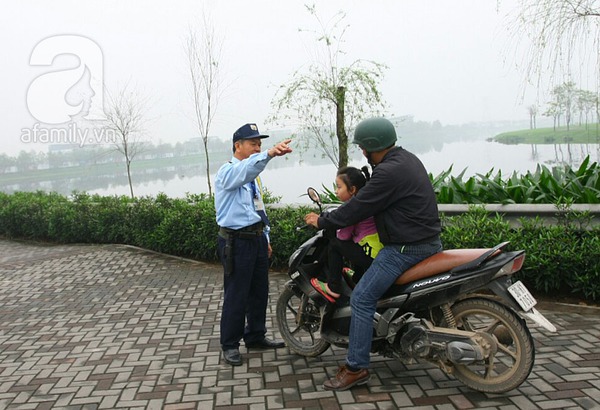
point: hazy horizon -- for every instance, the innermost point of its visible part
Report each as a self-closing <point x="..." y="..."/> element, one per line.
<point x="447" y="62"/>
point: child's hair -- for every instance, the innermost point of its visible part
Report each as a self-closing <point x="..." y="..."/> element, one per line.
<point x="354" y="177"/>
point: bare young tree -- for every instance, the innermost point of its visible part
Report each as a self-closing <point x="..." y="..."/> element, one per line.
<point x="532" y="110"/>
<point x="586" y="103"/>
<point x="125" y="119"/>
<point x="327" y="99"/>
<point x="203" y="49"/>
<point x="566" y="94"/>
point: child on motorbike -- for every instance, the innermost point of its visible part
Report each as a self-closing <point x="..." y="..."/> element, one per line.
<point x="358" y="244"/>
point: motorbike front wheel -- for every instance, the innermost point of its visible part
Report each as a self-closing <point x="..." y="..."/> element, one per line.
<point x="513" y="360"/>
<point x="299" y="320"/>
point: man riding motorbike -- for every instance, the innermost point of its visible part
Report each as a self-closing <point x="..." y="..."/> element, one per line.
<point x="401" y="198"/>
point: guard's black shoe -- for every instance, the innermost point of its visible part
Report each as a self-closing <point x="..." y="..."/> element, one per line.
<point x="232" y="356"/>
<point x="265" y="344"/>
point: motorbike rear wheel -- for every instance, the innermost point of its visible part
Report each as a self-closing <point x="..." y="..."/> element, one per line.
<point x="513" y="360"/>
<point x="299" y="320"/>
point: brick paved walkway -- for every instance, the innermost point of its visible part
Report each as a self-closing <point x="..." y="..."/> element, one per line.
<point x="86" y="326"/>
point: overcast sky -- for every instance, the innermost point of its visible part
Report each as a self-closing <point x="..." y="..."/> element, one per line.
<point x="445" y="58"/>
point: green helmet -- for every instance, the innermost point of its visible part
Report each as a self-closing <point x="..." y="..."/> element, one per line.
<point x="375" y="134"/>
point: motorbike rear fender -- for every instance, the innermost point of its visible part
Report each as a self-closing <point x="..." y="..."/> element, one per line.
<point x="500" y="288"/>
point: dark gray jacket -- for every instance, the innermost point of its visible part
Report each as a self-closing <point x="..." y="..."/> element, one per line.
<point x="401" y="198"/>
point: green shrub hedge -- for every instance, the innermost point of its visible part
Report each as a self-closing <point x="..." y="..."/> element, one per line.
<point x="560" y="259"/>
<point x="559" y="184"/>
<point x="564" y="258"/>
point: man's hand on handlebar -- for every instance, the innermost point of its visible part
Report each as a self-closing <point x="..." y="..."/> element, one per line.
<point x="312" y="219"/>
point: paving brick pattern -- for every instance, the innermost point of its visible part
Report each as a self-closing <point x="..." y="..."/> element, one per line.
<point x="102" y="327"/>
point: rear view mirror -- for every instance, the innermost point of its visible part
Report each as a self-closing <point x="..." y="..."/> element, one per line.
<point x="314" y="196"/>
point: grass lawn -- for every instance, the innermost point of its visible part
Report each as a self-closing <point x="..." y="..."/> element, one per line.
<point x="577" y="134"/>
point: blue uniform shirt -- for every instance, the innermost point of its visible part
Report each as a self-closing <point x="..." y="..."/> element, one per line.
<point x="234" y="193"/>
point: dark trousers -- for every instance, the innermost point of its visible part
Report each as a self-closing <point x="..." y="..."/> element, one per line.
<point x="336" y="253"/>
<point x="246" y="292"/>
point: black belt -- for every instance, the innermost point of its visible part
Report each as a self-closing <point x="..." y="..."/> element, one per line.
<point x="247" y="232"/>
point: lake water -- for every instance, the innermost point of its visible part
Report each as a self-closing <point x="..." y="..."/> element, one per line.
<point x="289" y="178"/>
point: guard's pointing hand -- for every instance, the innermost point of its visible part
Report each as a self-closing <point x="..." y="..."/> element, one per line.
<point x="281" y="148"/>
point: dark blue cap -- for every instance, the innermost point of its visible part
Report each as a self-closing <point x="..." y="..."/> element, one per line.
<point x="246" y="132"/>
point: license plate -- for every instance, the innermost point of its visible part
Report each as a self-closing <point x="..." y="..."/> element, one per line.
<point x="522" y="295"/>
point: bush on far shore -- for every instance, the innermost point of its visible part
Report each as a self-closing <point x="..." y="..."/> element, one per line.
<point x="562" y="259"/>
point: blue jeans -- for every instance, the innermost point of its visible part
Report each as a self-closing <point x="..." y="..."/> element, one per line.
<point x="390" y="263"/>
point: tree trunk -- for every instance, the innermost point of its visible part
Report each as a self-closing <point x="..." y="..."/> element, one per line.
<point x="340" y="128"/>
<point x="128" y="163"/>
<point x="206" y="155"/>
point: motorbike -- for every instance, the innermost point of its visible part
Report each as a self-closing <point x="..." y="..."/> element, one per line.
<point x="460" y="309"/>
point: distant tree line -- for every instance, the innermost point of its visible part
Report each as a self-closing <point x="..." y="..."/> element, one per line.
<point x="65" y="155"/>
<point x="568" y="105"/>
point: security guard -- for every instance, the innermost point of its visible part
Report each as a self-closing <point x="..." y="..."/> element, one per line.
<point x="243" y="243"/>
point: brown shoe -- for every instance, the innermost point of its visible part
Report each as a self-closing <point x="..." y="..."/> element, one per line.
<point x="345" y="379"/>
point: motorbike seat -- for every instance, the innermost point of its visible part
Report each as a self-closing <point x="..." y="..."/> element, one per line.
<point x="438" y="263"/>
